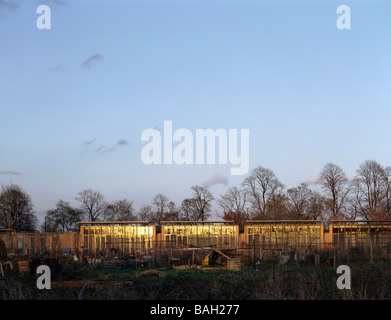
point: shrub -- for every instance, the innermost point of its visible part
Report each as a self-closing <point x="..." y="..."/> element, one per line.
<point x="3" y="250"/>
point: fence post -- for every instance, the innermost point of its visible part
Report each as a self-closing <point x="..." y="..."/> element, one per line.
<point x="254" y="250"/>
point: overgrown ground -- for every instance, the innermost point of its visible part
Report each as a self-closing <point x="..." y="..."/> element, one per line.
<point x="369" y="281"/>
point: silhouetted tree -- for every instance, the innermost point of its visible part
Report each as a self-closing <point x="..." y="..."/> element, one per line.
<point x="334" y="182"/>
<point x="316" y="207"/>
<point x="159" y="208"/>
<point x="305" y="203"/>
<point x="299" y="201"/>
<point x="262" y="185"/>
<point x="276" y="207"/>
<point x="202" y="199"/>
<point x="62" y="218"/>
<point x="173" y="213"/>
<point x="145" y="213"/>
<point x="370" y="187"/>
<point x="16" y="208"/>
<point x="234" y="200"/>
<point x="92" y="203"/>
<point x="239" y="217"/>
<point x="120" y="210"/>
<point x="188" y="210"/>
<point x="386" y="182"/>
<point x="234" y="204"/>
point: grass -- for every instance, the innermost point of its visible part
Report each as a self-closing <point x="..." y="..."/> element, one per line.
<point x="369" y="281"/>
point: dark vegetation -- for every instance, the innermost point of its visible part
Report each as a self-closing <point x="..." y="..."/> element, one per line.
<point x="3" y="251"/>
<point x="266" y="281"/>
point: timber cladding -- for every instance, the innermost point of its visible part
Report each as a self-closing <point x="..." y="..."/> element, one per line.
<point x="37" y="243"/>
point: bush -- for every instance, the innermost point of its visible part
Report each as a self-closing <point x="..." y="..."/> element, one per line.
<point x="70" y="264"/>
<point x="355" y="250"/>
<point x="3" y="250"/>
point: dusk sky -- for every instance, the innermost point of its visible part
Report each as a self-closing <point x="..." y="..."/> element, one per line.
<point x="75" y="99"/>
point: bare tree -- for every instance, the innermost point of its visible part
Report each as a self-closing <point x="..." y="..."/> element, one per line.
<point x="316" y="207"/>
<point x="369" y="185"/>
<point x="188" y="210"/>
<point x="238" y="217"/>
<point x="234" y="204"/>
<point x="62" y="218"/>
<point x="354" y="202"/>
<point x="234" y="200"/>
<point x="386" y="181"/>
<point x="160" y="208"/>
<point x="262" y="185"/>
<point x="202" y="199"/>
<point x="92" y="203"/>
<point x="145" y="213"/>
<point x="120" y="210"/>
<point x="299" y="198"/>
<point x="277" y="207"/>
<point x="305" y="203"/>
<point x="334" y="182"/>
<point x="173" y="213"/>
<point x="16" y="208"/>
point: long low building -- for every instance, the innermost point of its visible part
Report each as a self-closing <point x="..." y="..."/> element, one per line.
<point x="361" y="234"/>
<point x="131" y="237"/>
<point x="138" y="238"/>
<point x="287" y="233"/>
<point x="26" y="242"/>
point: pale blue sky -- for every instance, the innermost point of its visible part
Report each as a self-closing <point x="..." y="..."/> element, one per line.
<point x="308" y="92"/>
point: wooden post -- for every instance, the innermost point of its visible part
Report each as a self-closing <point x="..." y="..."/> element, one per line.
<point x="254" y="250"/>
<point x="370" y="246"/>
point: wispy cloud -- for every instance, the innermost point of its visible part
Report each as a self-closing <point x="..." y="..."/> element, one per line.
<point x="16" y="4"/>
<point x="8" y="7"/>
<point x="87" y="143"/>
<point x="14" y="173"/>
<point x="57" y="68"/>
<point x="103" y="148"/>
<point x="9" y="4"/>
<point x="55" y="2"/>
<point x="314" y="180"/>
<point x="216" y="179"/>
<point x="91" y="61"/>
<point x="123" y="142"/>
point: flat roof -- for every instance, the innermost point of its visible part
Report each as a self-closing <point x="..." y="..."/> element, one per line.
<point x="196" y="222"/>
<point x="284" y="221"/>
<point x="114" y="222"/>
<point x="359" y="222"/>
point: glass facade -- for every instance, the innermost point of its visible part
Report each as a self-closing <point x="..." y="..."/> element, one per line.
<point x="274" y="234"/>
<point x="127" y="238"/>
<point x="348" y="234"/>
<point x="198" y="235"/>
<point x="143" y="238"/>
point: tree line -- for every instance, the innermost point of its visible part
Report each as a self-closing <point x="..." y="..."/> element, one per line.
<point x="261" y="196"/>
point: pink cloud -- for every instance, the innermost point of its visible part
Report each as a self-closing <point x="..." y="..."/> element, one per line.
<point x="216" y="179"/>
